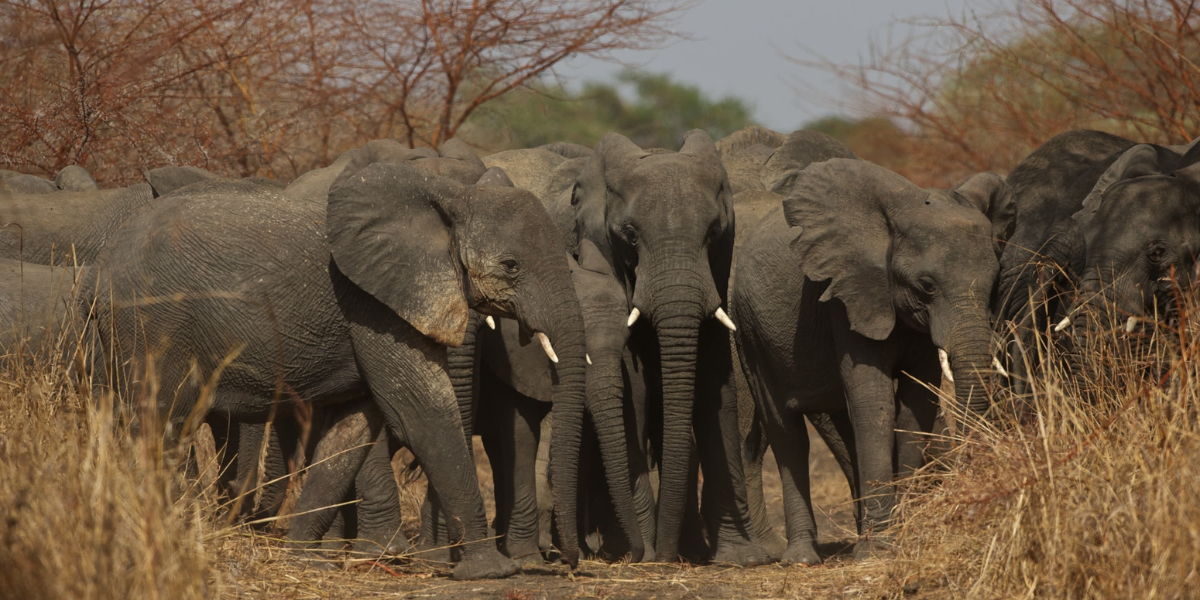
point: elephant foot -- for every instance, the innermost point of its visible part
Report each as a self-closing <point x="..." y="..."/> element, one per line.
<point x="370" y="547"/>
<point x="873" y="547"/>
<point x="526" y="553"/>
<point x="442" y="554"/>
<point x="774" y="544"/>
<point x="801" y="553"/>
<point x="741" y="552"/>
<point x="486" y="563"/>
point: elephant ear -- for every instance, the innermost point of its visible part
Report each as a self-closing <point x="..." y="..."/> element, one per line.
<point x="801" y="149"/>
<point x="601" y="175"/>
<point x="494" y="177"/>
<point x="390" y="229"/>
<point x="990" y="194"/>
<point x="1138" y="161"/>
<point x="839" y="210"/>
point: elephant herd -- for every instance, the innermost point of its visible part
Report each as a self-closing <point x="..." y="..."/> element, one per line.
<point x="626" y="329"/>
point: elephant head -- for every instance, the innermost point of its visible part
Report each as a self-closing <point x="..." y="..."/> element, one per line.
<point x="1141" y="227"/>
<point x="896" y="254"/>
<point x="664" y="223"/>
<point x="430" y="248"/>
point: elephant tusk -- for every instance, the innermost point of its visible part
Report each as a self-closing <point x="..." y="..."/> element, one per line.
<point x="1131" y="324"/>
<point x="633" y="317"/>
<point x="1063" y="324"/>
<point x="588" y="357"/>
<point x="999" y="367"/>
<point x="724" y="319"/>
<point x="944" y="359"/>
<point x="491" y="322"/>
<point x="547" y="347"/>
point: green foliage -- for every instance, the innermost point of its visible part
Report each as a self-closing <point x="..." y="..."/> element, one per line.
<point x="659" y="113"/>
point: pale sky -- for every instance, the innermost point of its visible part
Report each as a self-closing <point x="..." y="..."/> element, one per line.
<point x="737" y="46"/>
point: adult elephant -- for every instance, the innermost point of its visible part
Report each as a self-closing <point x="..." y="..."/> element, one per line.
<point x="332" y="298"/>
<point x="664" y="222"/>
<point x="65" y="227"/>
<point x="1140" y="225"/>
<point x="887" y="274"/>
<point x="1048" y="252"/>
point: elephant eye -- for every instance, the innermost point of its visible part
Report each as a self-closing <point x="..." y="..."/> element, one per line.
<point x="928" y="286"/>
<point x="510" y="265"/>
<point x="1156" y="253"/>
<point x="630" y="235"/>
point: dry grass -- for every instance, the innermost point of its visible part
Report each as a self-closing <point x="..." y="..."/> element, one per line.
<point x="1090" y="498"/>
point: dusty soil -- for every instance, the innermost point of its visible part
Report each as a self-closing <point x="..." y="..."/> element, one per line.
<point x="257" y="567"/>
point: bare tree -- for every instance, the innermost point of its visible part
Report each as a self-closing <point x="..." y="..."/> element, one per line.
<point x="979" y="90"/>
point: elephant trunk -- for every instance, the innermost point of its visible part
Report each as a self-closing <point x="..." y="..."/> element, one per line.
<point x="605" y="391"/>
<point x="969" y="348"/>
<point x="565" y="332"/>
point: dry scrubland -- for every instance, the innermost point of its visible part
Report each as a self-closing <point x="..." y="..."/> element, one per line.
<point x="1078" y="499"/>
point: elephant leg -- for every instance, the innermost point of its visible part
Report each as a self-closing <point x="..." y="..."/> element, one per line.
<point x="726" y="511"/>
<point x="637" y="450"/>
<point x="692" y="544"/>
<point x="343" y="447"/>
<point x="916" y="406"/>
<point x="521" y="540"/>
<point x="378" y="523"/>
<point x="838" y="434"/>
<point x="754" y="445"/>
<point x="263" y="470"/>
<point x="420" y="406"/>
<point x="435" y="544"/>
<point x="866" y="368"/>
<point x="545" y="496"/>
<point x="788" y="436"/>
<point x="342" y="529"/>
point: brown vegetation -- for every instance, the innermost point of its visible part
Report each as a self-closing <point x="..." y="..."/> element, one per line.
<point x="275" y="87"/>
<point x="980" y="90"/>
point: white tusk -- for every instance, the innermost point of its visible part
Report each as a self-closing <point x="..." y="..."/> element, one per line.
<point x="633" y="317"/>
<point x="491" y="322"/>
<point x="724" y="319"/>
<point x="588" y="357"/>
<point x="1131" y="324"/>
<point x="944" y="359"/>
<point x="999" y="367"/>
<point x="1063" y="324"/>
<point x="547" y="347"/>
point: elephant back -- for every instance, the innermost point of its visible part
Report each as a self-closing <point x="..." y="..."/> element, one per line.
<point x="43" y="229"/>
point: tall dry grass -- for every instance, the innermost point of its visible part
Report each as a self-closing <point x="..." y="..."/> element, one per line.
<point x="1093" y="492"/>
<point x="91" y="509"/>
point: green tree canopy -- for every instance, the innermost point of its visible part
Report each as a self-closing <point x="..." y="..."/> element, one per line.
<point x="658" y="113"/>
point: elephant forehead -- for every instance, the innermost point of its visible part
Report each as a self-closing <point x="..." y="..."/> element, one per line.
<point x="686" y="173"/>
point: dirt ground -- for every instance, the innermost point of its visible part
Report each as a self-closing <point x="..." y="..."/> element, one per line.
<point x="256" y="567"/>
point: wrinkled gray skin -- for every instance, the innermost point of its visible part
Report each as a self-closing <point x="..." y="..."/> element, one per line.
<point x="39" y="316"/>
<point x="745" y="152"/>
<point x="843" y="293"/>
<point x="664" y="221"/>
<point x="42" y="230"/>
<point x="368" y="285"/>
<point x="1057" y="244"/>
<point x="18" y="183"/>
<point x="1140" y="226"/>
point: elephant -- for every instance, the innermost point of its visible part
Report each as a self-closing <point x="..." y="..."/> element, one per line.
<point x="664" y="222"/>
<point x="38" y="312"/>
<point x="1049" y="249"/>
<point x="842" y="297"/>
<point x="164" y="180"/>
<point x="744" y="152"/>
<point x="1140" y="225"/>
<point x="453" y="160"/>
<point x="18" y="183"/>
<point x="67" y="227"/>
<point x="304" y="298"/>
<point x="516" y="387"/>
<point x="75" y="179"/>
